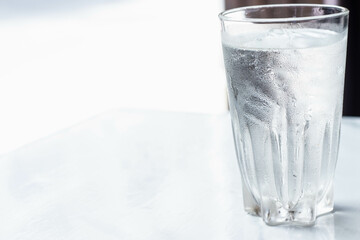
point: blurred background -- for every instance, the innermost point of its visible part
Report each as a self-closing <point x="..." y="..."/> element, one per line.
<point x="63" y="62"/>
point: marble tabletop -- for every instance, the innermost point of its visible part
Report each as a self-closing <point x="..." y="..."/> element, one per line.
<point x="129" y="174"/>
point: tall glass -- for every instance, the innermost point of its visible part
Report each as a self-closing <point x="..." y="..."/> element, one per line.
<point x="285" y="68"/>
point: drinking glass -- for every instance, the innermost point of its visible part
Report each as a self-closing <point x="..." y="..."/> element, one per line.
<point x="285" y="68"/>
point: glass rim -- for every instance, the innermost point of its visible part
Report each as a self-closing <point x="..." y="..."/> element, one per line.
<point x="343" y="12"/>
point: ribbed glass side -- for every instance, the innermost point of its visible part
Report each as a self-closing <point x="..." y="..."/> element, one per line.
<point x="287" y="174"/>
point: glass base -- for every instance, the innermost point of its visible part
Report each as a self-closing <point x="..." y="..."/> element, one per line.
<point x="303" y="214"/>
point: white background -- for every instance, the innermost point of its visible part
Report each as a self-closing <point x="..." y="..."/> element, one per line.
<point x="65" y="61"/>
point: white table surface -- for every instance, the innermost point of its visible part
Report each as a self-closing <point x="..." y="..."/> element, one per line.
<point x="152" y="175"/>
